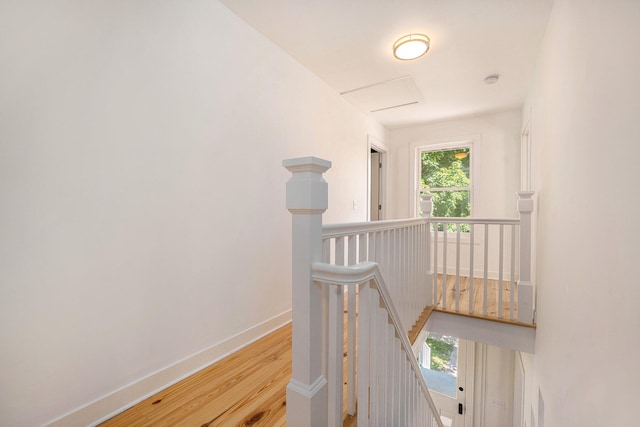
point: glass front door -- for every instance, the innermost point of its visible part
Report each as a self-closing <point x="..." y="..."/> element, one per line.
<point x="443" y="363"/>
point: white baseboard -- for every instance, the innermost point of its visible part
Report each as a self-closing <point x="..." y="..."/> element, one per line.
<point x="119" y="400"/>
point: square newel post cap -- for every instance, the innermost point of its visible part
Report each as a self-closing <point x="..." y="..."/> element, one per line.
<point x="426" y="204"/>
<point x="525" y="201"/>
<point x="307" y="191"/>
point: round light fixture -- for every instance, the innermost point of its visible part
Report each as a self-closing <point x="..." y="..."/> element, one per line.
<point x="411" y="47"/>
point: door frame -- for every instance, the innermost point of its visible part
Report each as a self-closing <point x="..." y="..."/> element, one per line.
<point x="377" y="145"/>
<point x="470" y="375"/>
<point x="518" y="391"/>
<point x="469" y="379"/>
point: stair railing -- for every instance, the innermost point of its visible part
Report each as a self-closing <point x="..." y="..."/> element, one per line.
<point x="401" y="252"/>
<point x="391" y="389"/>
<point x="401" y="249"/>
<point x="489" y="254"/>
<point x="318" y="310"/>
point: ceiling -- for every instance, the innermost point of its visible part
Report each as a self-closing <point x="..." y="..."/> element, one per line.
<point x="348" y="44"/>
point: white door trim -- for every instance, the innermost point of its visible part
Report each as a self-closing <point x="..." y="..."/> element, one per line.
<point x="374" y="143"/>
<point x="470" y="369"/>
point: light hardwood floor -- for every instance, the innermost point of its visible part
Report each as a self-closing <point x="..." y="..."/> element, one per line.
<point x="248" y="388"/>
<point x="478" y="299"/>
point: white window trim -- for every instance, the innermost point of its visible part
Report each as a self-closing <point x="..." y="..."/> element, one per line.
<point x="472" y="141"/>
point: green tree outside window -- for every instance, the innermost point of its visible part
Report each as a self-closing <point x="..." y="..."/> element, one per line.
<point x="446" y="175"/>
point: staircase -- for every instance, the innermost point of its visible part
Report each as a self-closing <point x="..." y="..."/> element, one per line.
<point x="387" y="276"/>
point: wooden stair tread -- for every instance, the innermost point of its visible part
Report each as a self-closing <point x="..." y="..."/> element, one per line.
<point x="417" y="327"/>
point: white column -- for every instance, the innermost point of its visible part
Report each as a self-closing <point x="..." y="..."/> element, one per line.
<point x="307" y="199"/>
<point x="525" y="286"/>
<point x="426" y="206"/>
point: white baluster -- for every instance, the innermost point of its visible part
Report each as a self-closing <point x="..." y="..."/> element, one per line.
<point x="500" y="269"/>
<point x="381" y="248"/>
<point x="413" y="289"/>
<point x="436" y="288"/>
<point x="444" y="265"/>
<point x="362" y="247"/>
<point x="457" y="267"/>
<point x="371" y="253"/>
<point x="512" y="291"/>
<point x="374" y="357"/>
<point x="382" y="365"/>
<point x="402" y="393"/>
<point x="335" y="354"/>
<point x="400" y="282"/>
<point x="327" y="253"/>
<point x="336" y="343"/>
<point x="364" y="353"/>
<point x="326" y="250"/>
<point x="391" y="370"/>
<point x="422" y="269"/>
<point x="418" y="269"/>
<point x="393" y="268"/>
<point x="339" y="250"/>
<point x="412" y="397"/>
<point x="351" y="333"/>
<point x="411" y="300"/>
<point x="411" y="306"/>
<point x="486" y="268"/>
<point x="471" y="271"/>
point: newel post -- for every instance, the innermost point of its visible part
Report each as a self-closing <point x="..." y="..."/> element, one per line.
<point x="426" y="207"/>
<point x="525" y="285"/>
<point x="426" y="204"/>
<point x="307" y="199"/>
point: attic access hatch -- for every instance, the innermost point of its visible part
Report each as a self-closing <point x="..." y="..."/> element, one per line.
<point x="394" y="93"/>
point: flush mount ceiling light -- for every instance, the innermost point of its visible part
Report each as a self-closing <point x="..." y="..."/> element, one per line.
<point x="411" y="47"/>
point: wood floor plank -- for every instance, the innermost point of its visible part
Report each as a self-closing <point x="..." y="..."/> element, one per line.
<point x="246" y="388"/>
<point x="449" y="286"/>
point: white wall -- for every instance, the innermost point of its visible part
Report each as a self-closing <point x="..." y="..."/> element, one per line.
<point x="495" y="177"/>
<point x="143" y="216"/>
<point x="498" y="165"/>
<point x="584" y="108"/>
<point x="493" y="394"/>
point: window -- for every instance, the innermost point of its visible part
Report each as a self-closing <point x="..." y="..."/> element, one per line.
<point x="446" y="173"/>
